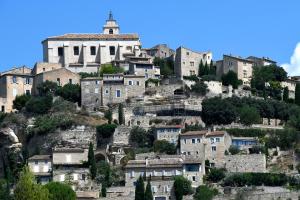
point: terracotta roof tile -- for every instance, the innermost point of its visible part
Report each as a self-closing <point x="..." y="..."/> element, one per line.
<point x="94" y="36"/>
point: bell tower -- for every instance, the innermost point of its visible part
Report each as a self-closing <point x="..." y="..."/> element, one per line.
<point x="111" y="27"/>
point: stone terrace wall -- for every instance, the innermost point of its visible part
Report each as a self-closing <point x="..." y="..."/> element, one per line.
<point x="246" y="163"/>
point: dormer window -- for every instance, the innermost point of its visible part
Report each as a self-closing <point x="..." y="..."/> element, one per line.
<point x="111" y="31"/>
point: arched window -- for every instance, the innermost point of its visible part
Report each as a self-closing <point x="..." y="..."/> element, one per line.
<point x="111" y="31"/>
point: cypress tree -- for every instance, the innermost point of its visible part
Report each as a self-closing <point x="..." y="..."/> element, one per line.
<point x="148" y="192"/>
<point x="103" y="190"/>
<point x="297" y="94"/>
<point x="91" y="161"/>
<point x="140" y="189"/>
<point x="121" y="114"/>
<point x="206" y="69"/>
<point x="108" y="115"/>
<point x="285" y="95"/>
<point x="212" y="68"/>
<point x="201" y="69"/>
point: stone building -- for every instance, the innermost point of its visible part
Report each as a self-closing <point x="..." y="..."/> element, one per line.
<point x="169" y="133"/>
<point x="241" y="66"/>
<point x="61" y="76"/>
<point x="291" y="85"/>
<point x="15" y="82"/>
<point x="91" y="93"/>
<point x="148" y="70"/>
<point x="160" y="51"/>
<point x="244" y="143"/>
<point x="205" y="145"/>
<point x="246" y="163"/>
<point x="187" y="61"/>
<point x="68" y="167"/>
<point x="264" y="61"/>
<point x="41" y="167"/>
<point x="41" y="67"/>
<point x="86" y="52"/>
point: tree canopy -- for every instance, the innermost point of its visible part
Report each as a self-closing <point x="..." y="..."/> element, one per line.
<point x="231" y="78"/>
<point x="20" y="101"/>
<point x="182" y="186"/>
<point x="163" y="146"/>
<point x="140" y="189"/>
<point x="60" y="191"/>
<point x="110" y="69"/>
<point x="249" y="115"/>
<point x="148" y="192"/>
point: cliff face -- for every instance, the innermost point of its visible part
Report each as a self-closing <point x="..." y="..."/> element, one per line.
<point x="10" y="149"/>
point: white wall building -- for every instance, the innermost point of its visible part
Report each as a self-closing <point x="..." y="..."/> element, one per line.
<point x="86" y="52"/>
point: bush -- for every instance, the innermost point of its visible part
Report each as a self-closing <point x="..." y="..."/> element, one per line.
<point x="215" y="175"/>
<point x="70" y="92"/>
<point x="231" y="78"/>
<point x="256" y="179"/>
<point x="233" y="150"/>
<point x="139" y="137"/>
<point x="163" y="146"/>
<point x="199" y="88"/>
<point x="249" y="116"/>
<point x="182" y="186"/>
<point x="39" y="105"/>
<point x="204" y="192"/>
<point x="47" y="88"/>
<point x="20" y="101"/>
<point x="60" y="191"/>
<point x="61" y="105"/>
<point x="191" y="78"/>
<point x="110" y="69"/>
<point x="252" y="132"/>
<point x="106" y="130"/>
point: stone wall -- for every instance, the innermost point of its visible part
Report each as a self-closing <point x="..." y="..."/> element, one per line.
<point x="121" y="135"/>
<point x="166" y="90"/>
<point x="246" y="163"/>
<point x="91" y="93"/>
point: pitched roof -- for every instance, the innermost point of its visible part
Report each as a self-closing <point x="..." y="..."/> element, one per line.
<point x="191" y="133"/>
<point x="40" y="157"/>
<point x="91" y="36"/>
<point x="215" y="133"/>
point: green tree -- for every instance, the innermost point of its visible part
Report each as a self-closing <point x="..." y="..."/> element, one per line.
<point x="4" y="189"/>
<point x="70" y="92"/>
<point x="233" y="150"/>
<point x="166" y="66"/>
<point x="39" y="105"/>
<point x="218" y="111"/>
<point x="103" y="190"/>
<point x="215" y="175"/>
<point x="20" y="101"/>
<point x="212" y="68"/>
<point x="199" y="88"/>
<point x="201" y="69"/>
<point x="163" y="146"/>
<point x="47" y="88"/>
<point x="206" y="69"/>
<point x="91" y="161"/>
<point x="182" y="186"/>
<point x="108" y="115"/>
<point x="106" y="130"/>
<point x="204" y="192"/>
<point x="139" y="189"/>
<point x="26" y="188"/>
<point x="110" y="69"/>
<point x="285" y="96"/>
<point x="249" y="115"/>
<point x="139" y="137"/>
<point x="121" y="114"/>
<point x="231" y="78"/>
<point x="148" y="192"/>
<point x="297" y="94"/>
<point x="60" y="191"/>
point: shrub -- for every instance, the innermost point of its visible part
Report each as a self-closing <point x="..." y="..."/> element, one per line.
<point x="163" y="146"/>
<point x="249" y="115"/>
<point x="60" y="191"/>
<point x="39" y="105"/>
<point x="182" y="186"/>
<point x="110" y="69"/>
<point x="199" y="88"/>
<point x="106" y="130"/>
<point x="215" y="175"/>
<point x="47" y="88"/>
<point x="139" y="137"/>
<point x="20" y="101"/>
<point x="70" y="92"/>
<point x="191" y="78"/>
<point x="204" y="192"/>
<point x="256" y="179"/>
<point x="233" y="150"/>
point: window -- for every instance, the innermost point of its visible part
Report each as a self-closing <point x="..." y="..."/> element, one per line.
<point x="44" y="69"/>
<point x="96" y="90"/>
<point x="212" y="140"/>
<point x="36" y="162"/>
<point x="112" y="50"/>
<point x="138" y="83"/>
<point x="58" y="81"/>
<point x="193" y="141"/>
<point x="60" y="51"/>
<point x="27" y="92"/>
<point x="111" y="31"/>
<point x="2" y="108"/>
<point x="214" y="148"/>
<point x="70" y="81"/>
<point x="76" y="50"/>
<point x="118" y="93"/>
<point x="15" y="92"/>
<point x="194" y="178"/>
<point x="93" y="50"/>
<point x="245" y="73"/>
<point x="217" y="139"/>
<point x="129" y="48"/>
<point x="27" y="80"/>
<point x="46" y="161"/>
<point x="192" y="64"/>
<point x="130" y="83"/>
<point x="184" y="141"/>
<point x="97" y="82"/>
<point x="68" y="158"/>
<point x="198" y="140"/>
<point x="83" y="177"/>
<point x="62" y="177"/>
<point x="132" y="174"/>
<point x="14" y="79"/>
<point x="106" y="91"/>
<point x="75" y="177"/>
<point x="187" y="53"/>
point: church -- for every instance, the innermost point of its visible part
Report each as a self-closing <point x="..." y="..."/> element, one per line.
<point x="86" y="52"/>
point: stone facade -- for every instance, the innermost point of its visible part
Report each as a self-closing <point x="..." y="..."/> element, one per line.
<point x="86" y="52"/>
<point x="41" y="167"/>
<point x="148" y="70"/>
<point x="291" y="85"/>
<point x="17" y="81"/>
<point x="246" y="163"/>
<point x="241" y="66"/>
<point x="41" y="67"/>
<point x="187" y="61"/>
<point x="160" y="51"/>
<point x="264" y="61"/>
<point x="61" y="76"/>
<point x="121" y="135"/>
<point x="91" y="93"/>
<point x="169" y="133"/>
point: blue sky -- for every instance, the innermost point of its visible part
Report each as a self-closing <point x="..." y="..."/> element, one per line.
<point x="241" y="27"/>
